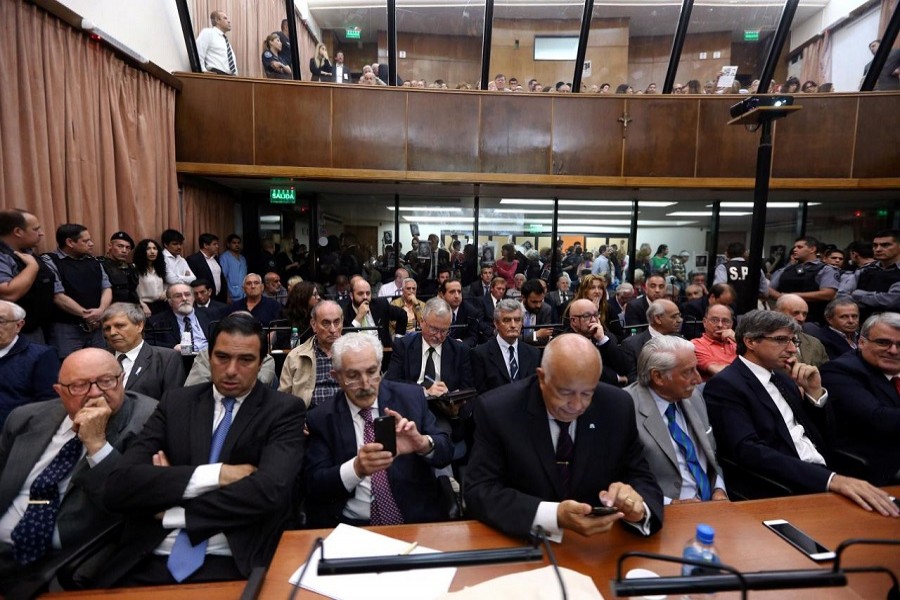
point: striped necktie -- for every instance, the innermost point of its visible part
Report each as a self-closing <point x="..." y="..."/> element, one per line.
<point x="231" y="65"/>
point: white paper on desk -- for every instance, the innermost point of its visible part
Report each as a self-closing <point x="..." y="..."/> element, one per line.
<point x="536" y="584"/>
<point x="346" y="541"/>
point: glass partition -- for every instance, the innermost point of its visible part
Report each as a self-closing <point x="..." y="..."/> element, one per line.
<point x="354" y="36"/>
<point x="534" y="42"/>
<point x="439" y="46"/>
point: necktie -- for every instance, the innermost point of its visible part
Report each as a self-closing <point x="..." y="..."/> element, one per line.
<point x="33" y="534"/>
<point x="686" y="446"/>
<point x="513" y="365"/>
<point x="384" y="507"/>
<point x="565" y="449"/>
<point x="896" y="382"/>
<point x="453" y="321"/>
<point x="185" y="557"/>
<point x="231" y="66"/>
<point x="430" y="375"/>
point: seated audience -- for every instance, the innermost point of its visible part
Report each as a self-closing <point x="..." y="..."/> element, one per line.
<point x="308" y="370"/>
<point x="165" y="328"/>
<point x="839" y="335"/>
<point x="866" y="400"/>
<point x="636" y="310"/>
<point x="273" y="289"/>
<point x="465" y="322"/>
<point x="27" y="370"/>
<point x="716" y="348"/>
<point x="672" y="423"/>
<point x="765" y="426"/>
<point x="584" y="319"/>
<point x="265" y="310"/>
<point x="148" y="370"/>
<point x="538" y="313"/>
<point x="350" y="478"/>
<point x="207" y="486"/>
<point x="411" y="305"/>
<point x="664" y="318"/>
<point x="695" y="310"/>
<point x="560" y="417"/>
<point x="810" y="350"/>
<point x="503" y="359"/>
<point x="203" y="299"/>
<point x="361" y="310"/>
<point x="62" y="451"/>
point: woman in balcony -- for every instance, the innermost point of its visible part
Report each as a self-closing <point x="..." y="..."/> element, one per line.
<point x="272" y="66"/>
<point x="319" y="65"/>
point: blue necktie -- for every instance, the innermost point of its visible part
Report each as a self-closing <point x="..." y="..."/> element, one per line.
<point x="690" y="453"/>
<point x="33" y="534"/>
<point x="513" y="365"/>
<point x="186" y="558"/>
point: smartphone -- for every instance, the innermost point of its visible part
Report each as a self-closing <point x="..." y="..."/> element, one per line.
<point x="386" y="433"/>
<point x="799" y="540"/>
<point x="603" y="511"/>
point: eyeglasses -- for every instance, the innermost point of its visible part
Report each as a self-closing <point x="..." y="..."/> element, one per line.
<point x="719" y="321"/>
<point x="884" y="344"/>
<point x="7" y="321"/>
<point x="586" y="316"/>
<point x="435" y="330"/>
<point x="105" y="383"/>
<point x="782" y="340"/>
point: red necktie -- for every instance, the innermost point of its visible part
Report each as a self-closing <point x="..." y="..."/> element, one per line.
<point x="896" y="382"/>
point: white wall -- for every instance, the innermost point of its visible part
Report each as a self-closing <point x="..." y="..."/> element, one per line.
<point x="833" y="12"/>
<point x="150" y="27"/>
<point x="851" y="44"/>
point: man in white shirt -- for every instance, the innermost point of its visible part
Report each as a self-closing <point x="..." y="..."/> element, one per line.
<point x="393" y="289"/>
<point x="341" y="72"/>
<point x="177" y="269"/>
<point x="216" y="54"/>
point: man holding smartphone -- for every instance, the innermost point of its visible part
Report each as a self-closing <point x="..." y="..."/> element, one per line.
<point x="350" y="477"/>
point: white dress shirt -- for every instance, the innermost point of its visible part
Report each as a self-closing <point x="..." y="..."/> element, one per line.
<point x="360" y="505"/>
<point x="177" y="269"/>
<point x="216" y="270"/>
<point x="213" y="51"/>
<point x="128" y="362"/>
<point x="436" y="359"/>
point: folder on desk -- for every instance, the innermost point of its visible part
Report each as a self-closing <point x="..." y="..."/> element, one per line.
<point x="346" y="541"/>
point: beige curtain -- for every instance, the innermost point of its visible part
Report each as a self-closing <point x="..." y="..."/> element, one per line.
<point x="817" y="60"/>
<point x="85" y="138"/>
<point x="887" y="9"/>
<point x="206" y="210"/>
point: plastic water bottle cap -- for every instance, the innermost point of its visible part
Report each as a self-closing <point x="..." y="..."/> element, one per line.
<point x="705" y="533"/>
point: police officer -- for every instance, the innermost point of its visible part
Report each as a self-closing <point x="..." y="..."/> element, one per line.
<point x="735" y="272"/>
<point x="808" y="277"/>
<point x="122" y="275"/>
<point x="876" y="286"/>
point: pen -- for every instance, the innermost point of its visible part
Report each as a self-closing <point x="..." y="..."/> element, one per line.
<point x="429" y="378"/>
<point x="410" y="548"/>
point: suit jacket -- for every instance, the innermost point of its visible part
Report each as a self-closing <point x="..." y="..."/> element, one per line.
<point x="751" y="431"/>
<point x="476" y="289"/>
<point x="200" y="268"/>
<point x="267" y="432"/>
<point x="487" y="317"/>
<point x="636" y="311"/>
<point x="489" y="364"/>
<point x="812" y="352"/>
<point x="835" y="344"/>
<point x="867" y="414"/>
<point x="27" y="374"/>
<point x="632" y="349"/>
<point x="545" y="316"/>
<point x="468" y="325"/>
<point x="26" y="434"/>
<point x="406" y="362"/>
<point x="155" y="371"/>
<point x="555" y="302"/>
<point x="332" y="442"/>
<point x="693" y="312"/>
<point x="164" y="329"/>
<point x="382" y="312"/>
<point x="658" y="449"/>
<point x="216" y="309"/>
<point x="513" y="466"/>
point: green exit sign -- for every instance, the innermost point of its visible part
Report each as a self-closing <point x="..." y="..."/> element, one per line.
<point x="751" y="35"/>
<point x="535" y="228"/>
<point x="282" y="195"/>
<point x="354" y="33"/>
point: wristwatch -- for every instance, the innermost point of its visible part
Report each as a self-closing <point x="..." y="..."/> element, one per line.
<point x="430" y="445"/>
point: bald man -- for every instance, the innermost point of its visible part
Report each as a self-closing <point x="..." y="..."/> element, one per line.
<point x="85" y="431"/>
<point x="554" y="445"/>
<point x="810" y="351"/>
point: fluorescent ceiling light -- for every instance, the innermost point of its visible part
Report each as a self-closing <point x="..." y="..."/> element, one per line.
<point x="706" y="213"/>
<point x="424" y="219"/>
<point x="768" y="204"/>
<point x="426" y="209"/>
<point x="594" y="203"/>
<point x="549" y="211"/>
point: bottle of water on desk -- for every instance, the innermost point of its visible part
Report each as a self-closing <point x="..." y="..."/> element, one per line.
<point x="701" y="548"/>
<point x="295" y="337"/>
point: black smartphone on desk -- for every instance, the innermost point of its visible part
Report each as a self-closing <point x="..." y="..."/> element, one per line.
<point x="386" y="433"/>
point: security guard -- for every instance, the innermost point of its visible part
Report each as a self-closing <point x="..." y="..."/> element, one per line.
<point x="808" y="277"/>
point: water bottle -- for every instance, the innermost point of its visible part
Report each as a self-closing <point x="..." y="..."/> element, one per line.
<point x="295" y="337"/>
<point x="187" y="343"/>
<point x="701" y="548"/>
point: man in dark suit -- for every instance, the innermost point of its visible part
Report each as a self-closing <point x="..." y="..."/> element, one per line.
<point x="465" y="320"/>
<point x="636" y="310"/>
<point x="166" y="328"/>
<point x="204" y="301"/>
<point x="365" y="311"/>
<point x="839" y="335"/>
<point x="550" y="447"/>
<point x="585" y="321"/>
<point x="764" y="426"/>
<point x="672" y="422"/>
<point x="488" y="302"/>
<point x="866" y="398"/>
<point x="149" y="370"/>
<point x="664" y="318"/>
<point x="616" y="305"/>
<point x="83" y="433"/>
<point x="205" y="265"/>
<point x="559" y="298"/>
<point x="265" y="310"/>
<point x="695" y="310"/>
<point x="537" y="313"/>
<point x="481" y="287"/>
<point x="349" y="477"/>
<point x="502" y="359"/>
<point x="207" y="486"/>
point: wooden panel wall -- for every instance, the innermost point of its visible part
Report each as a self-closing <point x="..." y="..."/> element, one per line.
<point x="329" y="131"/>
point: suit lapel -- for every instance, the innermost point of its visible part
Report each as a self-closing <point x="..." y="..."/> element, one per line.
<point x="201" y="415"/>
<point x="700" y="436"/>
<point x="249" y="407"/>
<point x="760" y="392"/>
<point x="343" y="426"/>
<point x="499" y="361"/>
<point x="140" y="366"/>
<point x="653" y="423"/>
<point x="414" y="358"/>
<point x="542" y="442"/>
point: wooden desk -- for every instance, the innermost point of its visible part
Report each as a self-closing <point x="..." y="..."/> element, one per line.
<point x="740" y="536"/>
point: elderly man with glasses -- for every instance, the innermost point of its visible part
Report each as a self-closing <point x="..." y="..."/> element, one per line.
<point x="351" y="478"/>
<point x="55" y="457"/>
<point x="716" y="348"/>
<point x="766" y="409"/>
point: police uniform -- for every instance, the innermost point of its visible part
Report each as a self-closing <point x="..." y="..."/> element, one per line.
<point x="870" y="286"/>
<point x="810" y="276"/>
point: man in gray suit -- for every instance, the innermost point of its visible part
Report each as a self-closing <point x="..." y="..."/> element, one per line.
<point x="149" y="370"/>
<point x="672" y="422"/>
<point x="55" y="457"/>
